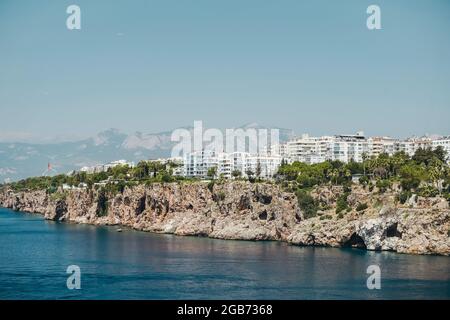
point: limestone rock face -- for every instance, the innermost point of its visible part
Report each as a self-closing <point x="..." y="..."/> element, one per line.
<point x="246" y="211"/>
<point x="379" y="233"/>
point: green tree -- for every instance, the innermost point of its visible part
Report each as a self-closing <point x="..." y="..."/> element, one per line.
<point x="212" y="172"/>
<point x="437" y="172"/>
<point x="426" y="155"/>
<point x="411" y="175"/>
<point x="398" y="160"/>
<point x="258" y="169"/>
<point x="307" y="203"/>
<point x="236" y="174"/>
<point x="334" y="175"/>
<point x="250" y="174"/>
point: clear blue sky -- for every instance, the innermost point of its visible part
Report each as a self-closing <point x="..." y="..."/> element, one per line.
<point x="151" y="66"/>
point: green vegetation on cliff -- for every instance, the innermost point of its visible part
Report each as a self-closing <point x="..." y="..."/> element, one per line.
<point x="425" y="174"/>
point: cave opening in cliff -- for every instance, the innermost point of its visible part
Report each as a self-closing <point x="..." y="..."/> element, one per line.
<point x="141" y="205"/>
<point x="264" y="199"/>
<point x="392" y="231"/>
<point x="263" y="215"/>
<point x="355" y="241"/>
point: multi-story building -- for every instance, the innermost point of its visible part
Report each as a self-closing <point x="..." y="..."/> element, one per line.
<point x="301" y="148"/>
<point x="240" y="162"/>
<point x="319" y="149"/>
<point x="197" y="164"/>
<point x="348" y="148"/>
<point x="306" y="149"/>
<point x="411" y="145"/>
<point x="105" y="167"/>
<point x="443" y="142"/>
<point x="267" y="165"/>
<point x="280" y="150"/>
<point x="379" y="145"/>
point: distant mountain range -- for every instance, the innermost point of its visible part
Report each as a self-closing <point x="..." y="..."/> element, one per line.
<point x="21" y="160"/>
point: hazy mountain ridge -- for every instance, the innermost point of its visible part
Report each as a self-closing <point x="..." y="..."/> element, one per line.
<point x="20" y="160"/>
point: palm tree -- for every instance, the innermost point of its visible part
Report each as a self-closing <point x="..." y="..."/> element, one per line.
<point x="348" y="174"/>
<point x="334" y="174"/>
<point x="365" y="156"/>
<point x="436" y="172"/>
<point x="396" y="161"/>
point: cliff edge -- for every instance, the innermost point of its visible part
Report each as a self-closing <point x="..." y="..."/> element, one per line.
<point x="253" y="211"/>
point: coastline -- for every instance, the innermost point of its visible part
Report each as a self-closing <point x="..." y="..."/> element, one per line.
<point x="246" y="211"/>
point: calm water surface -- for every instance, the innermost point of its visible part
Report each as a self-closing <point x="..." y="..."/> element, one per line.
<point x="35" y="253"/>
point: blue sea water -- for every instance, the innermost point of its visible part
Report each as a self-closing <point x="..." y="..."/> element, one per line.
<point x="35" y="253"/>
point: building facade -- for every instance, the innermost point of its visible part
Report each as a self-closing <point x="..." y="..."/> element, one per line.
<point x="198" y="164"/>
<point x="443" y="142"/>
<point x="307" y="149"/>
<point x="411" y="145"/>
<point x="105" y="167"/>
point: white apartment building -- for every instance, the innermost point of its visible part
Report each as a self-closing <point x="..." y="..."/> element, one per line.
<point x="299" y="149"/>
<point x="379" y="145"/>
<point x="268" y="165"/>
<point x="352" y="147"/>
<point x="240" y="162"/>
<point x="443" y="142"/>
<point x="348" y="148"/>
<point x="319" y="149"/>
<point x="224" y="165"/>
<point x="280" y="150"/>
<point x="309" y="149"/>
<point x="81" y="186"/>
<point x="197" y="164"/>
<point x="411" y="145"/>
<point x="105" y="167"/>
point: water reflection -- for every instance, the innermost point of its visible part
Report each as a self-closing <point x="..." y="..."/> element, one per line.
<point x="34" y="255"/>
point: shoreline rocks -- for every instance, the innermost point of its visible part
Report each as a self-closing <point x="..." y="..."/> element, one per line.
<point x="244" y="211"/>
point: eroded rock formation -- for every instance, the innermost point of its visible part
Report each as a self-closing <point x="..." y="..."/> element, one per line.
<point x="260" y="211"/>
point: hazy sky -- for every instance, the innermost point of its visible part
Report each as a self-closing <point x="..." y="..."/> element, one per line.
<point x="312" y="66"/>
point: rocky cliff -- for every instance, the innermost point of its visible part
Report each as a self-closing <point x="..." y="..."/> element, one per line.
<point x="260" y="211"/>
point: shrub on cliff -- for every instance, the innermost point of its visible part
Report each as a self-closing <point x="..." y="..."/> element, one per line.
<point x="307" y="203"/>
<point x="404" y="196"/>
<point x="57" y="196"/>
<point x="383" y="185"/>
<point x="236" y="174"/>
<point x="211" y="186"/>
<point x="165" y="177"/>
<point x="364" y="180"/>
<point x="447" y="196"/>
<point x="341" y="203"/>
<point x="428" y="191"/>
<point x="361" y="207"/>
<point x="347" y="187"/>
<point x="220" y="196"/>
